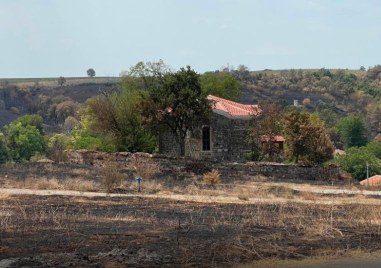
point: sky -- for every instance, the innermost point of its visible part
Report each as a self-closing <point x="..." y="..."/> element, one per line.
<point x="51" y="38"/>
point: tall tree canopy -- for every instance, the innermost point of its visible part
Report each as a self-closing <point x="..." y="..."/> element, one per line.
<point x="90" y="72"/>
<point x="352" y="130"/>
<point x="178" y="104"/>
<point x="116" y="115"/>
<point x="307" y="138"/>
<point x="221" y="84"/>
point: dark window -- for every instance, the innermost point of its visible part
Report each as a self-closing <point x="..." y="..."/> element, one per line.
<point x="206" y="138"/>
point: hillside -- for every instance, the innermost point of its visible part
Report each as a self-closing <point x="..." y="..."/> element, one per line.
<point x="43" y="96"/>
<point x="332" y="93"/>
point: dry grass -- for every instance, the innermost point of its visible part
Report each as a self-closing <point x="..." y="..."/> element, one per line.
<point x="309" y="196"/>
<point x="4" y="196"/>
<point x="111" y="176"/>
<point x="245" y="232"/>
<point x="55" y="184"/>
<point x="144" y="167"/>
<point x="212" y="177"/>
<point x="333" y="259"/>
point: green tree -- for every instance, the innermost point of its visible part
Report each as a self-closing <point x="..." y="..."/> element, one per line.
<point x="177" y="104"/>
<point x="374" y="147"/>
<point x="221" y="84"/>
<point x="144" y="75"/>
<point x="87" y="139"/>
<point x="355" y="159"/>
<point x="90" y="72"/>
<point x="307" y="138"/>
<point x="117" y="116"/>
<point x="352" y="131"/>
<point x="24" y="141"/>
<point x="4" y="152"/>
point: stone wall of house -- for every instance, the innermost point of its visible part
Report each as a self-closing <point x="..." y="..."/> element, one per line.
<point x="228" y="141"/>
<point x="168" y="144"/>
<point x="230" y="171"/>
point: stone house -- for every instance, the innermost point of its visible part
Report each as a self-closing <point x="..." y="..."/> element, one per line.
<point x="224" y="137"/>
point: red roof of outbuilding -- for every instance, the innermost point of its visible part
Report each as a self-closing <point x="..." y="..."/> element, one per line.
<point x="265" y="138"/>
<point x="374" y="180"/>
<point x="232" y="108"/>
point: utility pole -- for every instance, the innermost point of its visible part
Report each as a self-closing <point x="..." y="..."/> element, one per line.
<point x="367" y="170"/>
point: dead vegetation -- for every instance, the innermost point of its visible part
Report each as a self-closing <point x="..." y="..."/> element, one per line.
<point x="224" y="225"/>
<point x="81" y="185"/>
<point x="212" y="177"/>
<point x="111" y="175"/>
<point x="148" y="232"/>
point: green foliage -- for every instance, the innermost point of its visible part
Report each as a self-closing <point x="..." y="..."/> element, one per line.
<point x="85" y="139"/>
<point x="374" y="147"/>
<point x="352" y="131"/>
<point x="31" y="120"/>
<point x="178" y="103"/>
<point x="117" y="116"/>
<point x="4" y="152"/>
<point x="355" y="159"/>
<point x="221" y="84"/>
<point x="144" y="75"/>
<point x="24" y="141"/>
<point x="307" y="138"/>
<point x="90" y="72"/>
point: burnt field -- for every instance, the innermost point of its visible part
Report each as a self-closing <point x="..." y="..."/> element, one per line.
<point x="62" y="231"/>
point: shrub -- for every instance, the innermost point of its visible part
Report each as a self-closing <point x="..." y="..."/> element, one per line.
<point x="24" y="141"/>
<point x="212" y="177"/>
<point x="111" y="175"/>
<point x="355" y="159"/>
<point x="57" y="145"/>
<point x="143" y="166"/>
<point x="4" y="153"/>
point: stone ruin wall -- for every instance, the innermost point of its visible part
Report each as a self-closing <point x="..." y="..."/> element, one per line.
<point x="229" y="170"/>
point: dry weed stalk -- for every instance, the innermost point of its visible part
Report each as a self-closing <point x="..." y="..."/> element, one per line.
<point x="212" y="177"/>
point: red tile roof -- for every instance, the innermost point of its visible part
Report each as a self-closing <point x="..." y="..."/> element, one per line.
<point x="233" y="109"/>
<point x="265" y="138"/>
<point x="374" y="180"/>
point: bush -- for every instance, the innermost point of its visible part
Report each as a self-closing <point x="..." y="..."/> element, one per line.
<point x="354" y="162"/>
<point x="85" y="139"/>
<point x="111" y="176"/>
<point x="4" y="153"/>
<point x="374" y="147"/>
<point x="24" y="141"/>
<point x="212" y="177"/>
<point x="56" y="147"/>
<point x="143" y="166"/>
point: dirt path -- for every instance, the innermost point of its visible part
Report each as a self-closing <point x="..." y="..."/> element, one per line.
<point x="206" y="198"/>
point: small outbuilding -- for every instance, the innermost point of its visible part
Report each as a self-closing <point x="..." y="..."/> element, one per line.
<point x="372" y="181"/>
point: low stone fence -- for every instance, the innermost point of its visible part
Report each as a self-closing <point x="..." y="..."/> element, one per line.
<point x="229" y="170"/>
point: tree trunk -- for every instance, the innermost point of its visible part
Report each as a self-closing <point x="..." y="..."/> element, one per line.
<point x="182" y="146"/>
